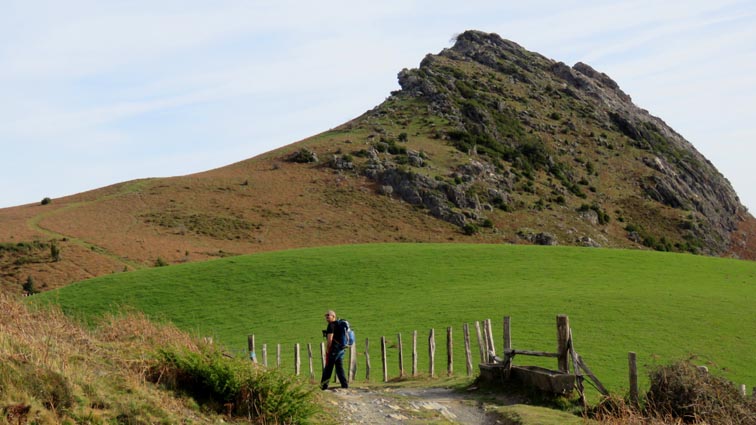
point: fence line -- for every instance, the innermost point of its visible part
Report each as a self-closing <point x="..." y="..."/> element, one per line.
<point x="565" y="354"/>
<point x="352" y="361"/>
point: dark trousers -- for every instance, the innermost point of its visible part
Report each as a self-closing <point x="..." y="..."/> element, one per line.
<point x="335" y="358"/>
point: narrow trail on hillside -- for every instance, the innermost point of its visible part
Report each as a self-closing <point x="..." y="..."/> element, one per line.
<point x="34" y="224"/>
<point x="408" y="405"/>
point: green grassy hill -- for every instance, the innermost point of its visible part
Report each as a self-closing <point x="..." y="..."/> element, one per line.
<point x="662" y="306"/>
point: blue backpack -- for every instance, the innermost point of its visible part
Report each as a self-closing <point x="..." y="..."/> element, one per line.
<point x="347" y="333"/>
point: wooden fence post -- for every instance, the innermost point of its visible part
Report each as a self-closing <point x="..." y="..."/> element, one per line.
<point x="481" y="343"/>
<point x="468" y="353"/>
<point x="278" y="355"/>
<point x="297" y="362"/>
<point x="432" y="352"/>
<point x="507" y="334"/>
<point x="265" y="354"/>
<point x="367" y="360"/>
<point x="490" y="341"/>
<point x="414" y="353"/>
<point x="449" y="352"/>
<point x="352" y="362"/>
<point x="743" y="390"/>
<point x="251" y="347"/>
<point x="384" y="359"/>
<point x="563" y="334"/>
<point x="309" y="361"/>
<point x="401" y="355"/>
<point x="633" y="377"/>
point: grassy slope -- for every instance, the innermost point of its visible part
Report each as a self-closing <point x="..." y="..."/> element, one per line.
<point x="663" y="306"/>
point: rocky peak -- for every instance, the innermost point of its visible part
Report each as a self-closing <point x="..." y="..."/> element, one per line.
<point x="530" y="115"/>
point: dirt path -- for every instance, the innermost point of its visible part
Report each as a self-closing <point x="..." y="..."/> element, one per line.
<point x="34" y="223"/>
<point x="408" y="405"/>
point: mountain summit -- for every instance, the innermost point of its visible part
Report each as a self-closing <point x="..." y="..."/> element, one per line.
<point x="565" y="132"/>
<point x="485" y="142"/>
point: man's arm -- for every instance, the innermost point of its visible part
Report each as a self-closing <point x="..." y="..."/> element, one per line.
<point x="329" y="338"/>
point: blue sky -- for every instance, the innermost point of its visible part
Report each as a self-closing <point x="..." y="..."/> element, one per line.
<point x="99" y="92"/>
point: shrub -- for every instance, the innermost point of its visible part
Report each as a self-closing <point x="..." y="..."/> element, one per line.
<point x="470" y="229"/>
<point x="54" y="251"/>
<point x="160" y="262"/>
<point x="29" y="286"/>
<point x="684" y="391"/>
<point x="589" y="168"/>
<point x="46" y="201"/>
<point x="302" y="156"/>
<point x="234" y="385"/>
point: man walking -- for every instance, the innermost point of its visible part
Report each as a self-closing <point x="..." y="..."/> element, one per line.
<point x="335" y="352"/>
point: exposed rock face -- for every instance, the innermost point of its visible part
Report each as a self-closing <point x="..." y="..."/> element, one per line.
<point x="517" y="113"/>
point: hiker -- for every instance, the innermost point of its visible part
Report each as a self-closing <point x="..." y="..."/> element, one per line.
<point x="334" y="352"/>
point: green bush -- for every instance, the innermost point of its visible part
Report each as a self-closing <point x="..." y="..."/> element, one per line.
<point x="54" y="251"/>
<point x="29" y="286"/>
<point x="47" y="386"/>
<point x="227" y="384"/>
<point x="46" y="201"/>
<point x="470" y="229"/>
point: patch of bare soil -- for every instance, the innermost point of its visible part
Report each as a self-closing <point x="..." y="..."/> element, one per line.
<point x="408" y="406"/>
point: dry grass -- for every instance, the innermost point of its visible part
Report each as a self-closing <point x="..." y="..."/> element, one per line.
<point x="52" y="370"/>
<point x="681" y="393"/>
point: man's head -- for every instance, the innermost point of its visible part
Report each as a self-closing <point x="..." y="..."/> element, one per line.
<point x="330" y="316"/>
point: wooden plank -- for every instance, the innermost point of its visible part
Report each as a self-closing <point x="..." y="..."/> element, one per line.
<point x="265" y="355"/>
<point x="511" y="353"/>
<point x="578" y="376"/>
<point x="592" y="377"/>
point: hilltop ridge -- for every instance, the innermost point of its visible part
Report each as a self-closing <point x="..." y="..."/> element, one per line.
<point x="485" y="142"/>
<point x="546" y="114"/>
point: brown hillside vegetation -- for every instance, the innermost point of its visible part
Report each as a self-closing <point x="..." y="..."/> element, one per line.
<point x="54" y="371"/>
<point x="486" y="142"/>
